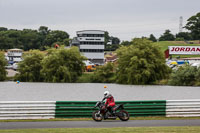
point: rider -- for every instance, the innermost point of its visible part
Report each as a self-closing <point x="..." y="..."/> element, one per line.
<point x="110" y="102"/>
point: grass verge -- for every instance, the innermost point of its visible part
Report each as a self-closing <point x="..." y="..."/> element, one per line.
<point x="187" y="129"/>
<point x="90" y="119"/>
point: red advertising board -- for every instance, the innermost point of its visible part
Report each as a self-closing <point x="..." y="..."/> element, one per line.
<point x="186" y="50"/>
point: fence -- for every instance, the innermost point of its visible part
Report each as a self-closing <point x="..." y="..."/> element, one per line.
<point x="27" y="110"/>
<point x="67" y="109"/>
<point x="183" y="108"/>
<point x="84" y="109"/>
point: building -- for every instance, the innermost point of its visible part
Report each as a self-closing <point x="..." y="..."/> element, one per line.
<point x="110" y="57"/>
<point x="91" y="45"/>
<point x="14" y="55"/>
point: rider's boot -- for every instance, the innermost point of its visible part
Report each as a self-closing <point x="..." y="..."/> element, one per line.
<point x="113" y="112"/>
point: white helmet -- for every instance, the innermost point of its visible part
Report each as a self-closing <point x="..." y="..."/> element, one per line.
<point x="106" y="94"/>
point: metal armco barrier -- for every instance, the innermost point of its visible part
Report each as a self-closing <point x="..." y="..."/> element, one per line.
<point x="75" y="109"/>
<point x="145" y="108"/>
<point x="84" y="109"/>
<point x="183" y="108"/>
<point x="27" y="110"/>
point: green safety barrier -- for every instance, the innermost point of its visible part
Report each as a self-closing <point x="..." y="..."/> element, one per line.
<point x="83" y="109"/>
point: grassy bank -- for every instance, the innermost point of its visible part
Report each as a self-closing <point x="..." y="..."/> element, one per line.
<point x="110" y="130"/>
<point x="164" y="44"/>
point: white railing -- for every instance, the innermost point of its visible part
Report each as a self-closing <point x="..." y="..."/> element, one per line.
<point x="46" y="109"/>
<point x="27" y="110"/>
<point x="183" y="108"/>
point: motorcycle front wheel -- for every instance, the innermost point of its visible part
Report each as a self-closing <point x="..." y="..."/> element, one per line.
<point x="124" y="116"/>
<point x="96" y="116"/>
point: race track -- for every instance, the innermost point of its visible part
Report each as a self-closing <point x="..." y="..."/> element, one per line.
<point x="93" y="124"/>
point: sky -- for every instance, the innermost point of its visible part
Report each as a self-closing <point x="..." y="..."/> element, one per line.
<point x="125" y="19"/>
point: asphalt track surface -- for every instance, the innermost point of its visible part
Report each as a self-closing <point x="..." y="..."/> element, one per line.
<point x="93" y="124"/>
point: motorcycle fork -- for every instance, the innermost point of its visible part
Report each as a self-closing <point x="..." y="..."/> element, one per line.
<point x="99" y="112"/>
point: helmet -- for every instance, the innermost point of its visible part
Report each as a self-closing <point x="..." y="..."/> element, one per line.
<point x="106" y="93"/>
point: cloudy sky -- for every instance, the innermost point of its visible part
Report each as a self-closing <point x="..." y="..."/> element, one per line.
<point x="125" y="19"/>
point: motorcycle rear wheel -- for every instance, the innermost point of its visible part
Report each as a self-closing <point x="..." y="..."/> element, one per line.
<point x="97" y="117"/>
<point x="124" y="115"/>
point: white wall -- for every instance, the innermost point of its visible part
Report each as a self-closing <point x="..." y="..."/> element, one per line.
<point x="90" y="32"/>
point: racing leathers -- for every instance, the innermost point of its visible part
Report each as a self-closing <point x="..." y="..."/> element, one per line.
<point x="110" y="103"/>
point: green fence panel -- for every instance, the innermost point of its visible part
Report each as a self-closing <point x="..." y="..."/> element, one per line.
<point x="77" y="109"/>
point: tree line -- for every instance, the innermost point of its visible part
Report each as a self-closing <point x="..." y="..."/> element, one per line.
<point x="42" y="38"/>
<point x="192" y="25"/>
<point x="27" y="39"/>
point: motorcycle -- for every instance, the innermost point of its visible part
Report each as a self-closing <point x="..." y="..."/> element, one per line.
<point x="103" y="113"/>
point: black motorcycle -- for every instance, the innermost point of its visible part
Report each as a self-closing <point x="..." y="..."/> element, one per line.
<point x="103" y="113"/>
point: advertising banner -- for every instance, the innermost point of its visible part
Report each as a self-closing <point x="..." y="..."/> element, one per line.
<point x="186" y="50"/>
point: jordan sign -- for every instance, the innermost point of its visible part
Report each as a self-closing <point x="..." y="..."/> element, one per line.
<point x="187" y="50"/>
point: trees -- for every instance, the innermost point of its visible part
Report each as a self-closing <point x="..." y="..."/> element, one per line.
<point x="184" y="35"/>
<point x="3" y="29"/>
<point x="43" y="32"/>
<point x="2" y="67"/>
<point x="59" y="65"/>
<point x="56" y="37"/>
<point x="115" y="41"/>
<point x="140" y="63"/>
<point x="9" y="39"/>
<point x="193" y="25"/>
<point x="152" y="38"/>
<point x="167" y="36"/>
<point x="62" y="65"/>
<point x="3" y="41"/>
<point x="125" y="43"/>
<point x="107" y="37"/>
<point x="104" y="74"/>
<point x="25" y="39"/>
<point x="29" y="68"/>
<point x="184" y="76"/>
<point x="32" y="39"/>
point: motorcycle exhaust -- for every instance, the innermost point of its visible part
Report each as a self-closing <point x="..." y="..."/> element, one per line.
<point x="111" y="117"/>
